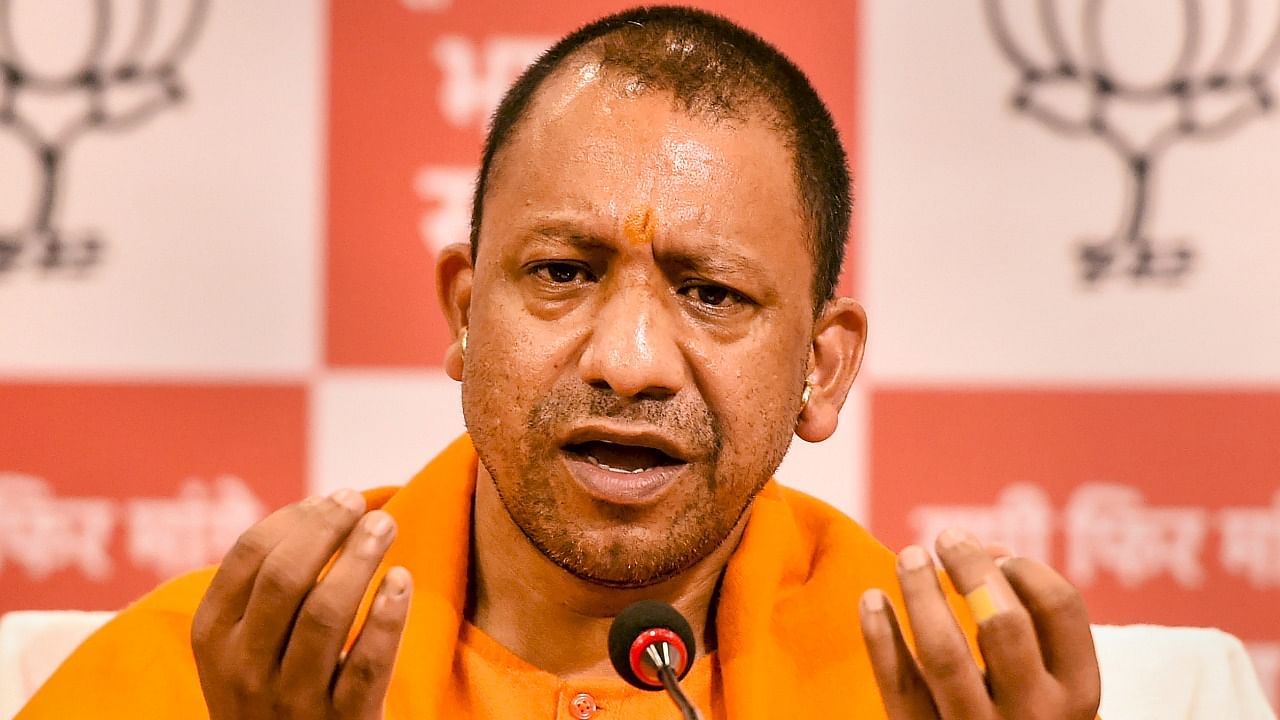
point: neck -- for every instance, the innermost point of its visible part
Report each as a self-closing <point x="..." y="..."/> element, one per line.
<point x="556" y="621"/>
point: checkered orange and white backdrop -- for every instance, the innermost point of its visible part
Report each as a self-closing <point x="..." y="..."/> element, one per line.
<point x="218" y="224"/>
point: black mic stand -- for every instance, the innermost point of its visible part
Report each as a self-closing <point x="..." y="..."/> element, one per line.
<point x="672" y="685"/>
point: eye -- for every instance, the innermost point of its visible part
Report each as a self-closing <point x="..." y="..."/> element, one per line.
<point x="560" y="273"/>
<point x="716" y="296"/>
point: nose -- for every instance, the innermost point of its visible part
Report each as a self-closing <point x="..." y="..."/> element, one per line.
<point x="633" y="347"/>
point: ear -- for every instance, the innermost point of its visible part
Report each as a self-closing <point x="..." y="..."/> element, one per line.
<point x="839" y="337"/>
<point x="453" y="287"/>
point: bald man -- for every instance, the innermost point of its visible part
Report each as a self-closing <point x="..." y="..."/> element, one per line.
<point x="644" y="317"/>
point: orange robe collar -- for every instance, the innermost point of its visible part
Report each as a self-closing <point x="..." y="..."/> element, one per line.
<point x="787" y="619"/>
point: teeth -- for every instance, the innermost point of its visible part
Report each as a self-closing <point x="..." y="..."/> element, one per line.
<point x="610" y="468"/>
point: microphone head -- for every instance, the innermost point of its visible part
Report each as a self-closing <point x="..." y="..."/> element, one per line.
<point x="640" y="625"/>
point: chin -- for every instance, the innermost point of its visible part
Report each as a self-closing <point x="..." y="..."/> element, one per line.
<point x="627" y="557"/>
<point x="620" y="576"/>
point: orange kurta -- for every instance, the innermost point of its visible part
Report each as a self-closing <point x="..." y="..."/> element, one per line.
<point x="787" y="626"/>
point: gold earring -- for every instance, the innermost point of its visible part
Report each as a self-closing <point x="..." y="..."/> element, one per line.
<point x="464" y="341"/>
<point x="804" y="396"/>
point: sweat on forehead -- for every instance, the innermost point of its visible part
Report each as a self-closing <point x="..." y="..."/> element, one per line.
<point x="590" y="70"/>
<point x="702" y="81"/>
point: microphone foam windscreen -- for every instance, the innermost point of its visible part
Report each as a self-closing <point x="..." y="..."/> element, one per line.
<point x="635" y="619"/>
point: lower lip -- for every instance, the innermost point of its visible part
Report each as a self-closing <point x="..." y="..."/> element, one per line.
<point x="622" y="488"/>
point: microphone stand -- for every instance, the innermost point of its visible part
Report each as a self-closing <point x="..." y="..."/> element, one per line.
<point x="665" y="665"/>
<point x="687" y="710"/>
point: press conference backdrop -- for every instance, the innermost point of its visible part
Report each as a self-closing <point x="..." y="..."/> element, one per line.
<point x="218" y="223"/>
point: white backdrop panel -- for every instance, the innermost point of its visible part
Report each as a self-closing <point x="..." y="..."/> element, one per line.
<point x="371" y="428"/>
<point x="982" y="283"/>
<point x="211" y="211"/>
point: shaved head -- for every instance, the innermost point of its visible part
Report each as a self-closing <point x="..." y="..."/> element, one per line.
<point x="714" y="70"/>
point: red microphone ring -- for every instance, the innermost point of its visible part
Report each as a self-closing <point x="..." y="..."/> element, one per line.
<point x="641" y="668"/>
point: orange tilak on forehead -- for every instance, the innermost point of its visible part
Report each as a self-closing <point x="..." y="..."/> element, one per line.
<point x="640" y="226"/>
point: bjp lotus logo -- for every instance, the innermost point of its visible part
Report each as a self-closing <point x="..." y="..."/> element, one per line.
<point x="64" y="75"/>
<point x="1108" y="72"/>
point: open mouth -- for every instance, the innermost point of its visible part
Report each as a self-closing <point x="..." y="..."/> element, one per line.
<point x="629" y="471"/>
<point x="620" y="457"/>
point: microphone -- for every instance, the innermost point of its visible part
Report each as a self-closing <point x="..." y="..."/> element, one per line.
<point x="651" y="646"/>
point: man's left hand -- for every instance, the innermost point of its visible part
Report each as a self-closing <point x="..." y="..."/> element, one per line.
<point x="1033" y="633"/>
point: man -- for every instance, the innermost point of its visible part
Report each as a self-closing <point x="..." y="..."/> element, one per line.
<point x="644" y="316"/>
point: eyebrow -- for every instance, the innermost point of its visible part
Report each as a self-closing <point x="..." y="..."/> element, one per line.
<point x="569" y="233"/>
<point x="716" y="263"/>
<point x="719" y="263"/>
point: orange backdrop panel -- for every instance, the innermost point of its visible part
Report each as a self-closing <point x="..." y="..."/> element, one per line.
<point x="99" y="449"/>
<point x="1194" y="458"/>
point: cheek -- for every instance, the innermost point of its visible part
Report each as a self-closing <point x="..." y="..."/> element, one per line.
<point x="491" y="372"/>
<point x="753" y="396"/>
<point x="512" y="361"/>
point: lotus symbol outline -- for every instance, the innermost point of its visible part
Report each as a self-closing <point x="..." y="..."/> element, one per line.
<point x="126" y="71"/>
<point x="1213" y="84"/>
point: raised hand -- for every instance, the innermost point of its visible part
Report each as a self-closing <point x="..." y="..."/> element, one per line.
<point x="1033" y="633"/>
<point x="268" y="635"/>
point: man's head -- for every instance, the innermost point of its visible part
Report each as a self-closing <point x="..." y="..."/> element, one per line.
<point x="657" y="234"/>
<point x="712" y="68"/>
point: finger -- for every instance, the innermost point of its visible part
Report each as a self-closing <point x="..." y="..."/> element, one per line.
<point x="949" y="670"/>
<point x="905" y="694"/>
<point x="224" y="602"/>
<point x="311" y="656"/>
<point x="290" y="570"/>
<point x="362" y="682"/>
<point x="1061" y="623"/>
<point x="1006" y="635"/>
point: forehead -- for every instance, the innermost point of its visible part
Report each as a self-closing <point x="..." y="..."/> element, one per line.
<point x="593" y="143"/>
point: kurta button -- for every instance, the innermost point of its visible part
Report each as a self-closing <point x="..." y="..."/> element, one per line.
<point x="583" y="706"/>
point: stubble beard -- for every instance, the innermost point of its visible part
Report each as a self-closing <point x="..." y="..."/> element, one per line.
<point x="624" y="554"/>
<point x="618" y="556"/>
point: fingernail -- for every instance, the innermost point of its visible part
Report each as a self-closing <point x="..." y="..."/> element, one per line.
<point x="309" y="501"/>
<point x="397" y="581"/>
<point x="349" y="499"/>
<point x="913" y="557"/>
<point x="377" y="523"/>
<point x="873" y="601"/>
<point x="952" y="537"/>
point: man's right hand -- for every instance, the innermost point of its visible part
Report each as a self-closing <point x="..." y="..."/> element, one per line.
<point x="268" y="636"/>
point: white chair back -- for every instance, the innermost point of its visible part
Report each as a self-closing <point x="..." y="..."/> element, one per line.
<point x="33" y="644"/>
<point x="1155" y="672"/>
